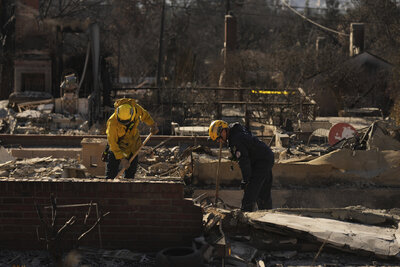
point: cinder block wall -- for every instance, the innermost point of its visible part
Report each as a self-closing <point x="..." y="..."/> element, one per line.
<point x="144" y="216"/>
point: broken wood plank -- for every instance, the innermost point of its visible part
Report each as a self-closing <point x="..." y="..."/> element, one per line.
<point x="35" y="103"/>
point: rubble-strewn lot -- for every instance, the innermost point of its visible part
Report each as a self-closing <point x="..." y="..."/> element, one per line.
<point x="42" y="119"/>
<point x="42" y="168"/>
<point x="351" y="236"/>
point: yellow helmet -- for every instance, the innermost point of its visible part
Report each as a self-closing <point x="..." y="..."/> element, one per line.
<point x="215" y="129"/>
<point x="125" y="113"/>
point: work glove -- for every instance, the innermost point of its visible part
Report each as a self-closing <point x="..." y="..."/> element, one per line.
<point x="243" y="184"/>
<point x="154" y="129"/>
<point x="124" y="163"/>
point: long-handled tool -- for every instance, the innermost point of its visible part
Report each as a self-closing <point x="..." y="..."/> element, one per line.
<point x="134" y="155"/>
<point x="217" y="178"/>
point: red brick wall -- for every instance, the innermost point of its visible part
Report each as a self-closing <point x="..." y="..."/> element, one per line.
<point x="144" y="216"/>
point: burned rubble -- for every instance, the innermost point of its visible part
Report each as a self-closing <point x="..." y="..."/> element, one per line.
<point x="48" y="167"/>
<point x="348" y="235"/>
<point x="352" y="236"/>
<point x="316" y="81"/>
<point x="313" y="236"/>
<point x="41" y="119"/>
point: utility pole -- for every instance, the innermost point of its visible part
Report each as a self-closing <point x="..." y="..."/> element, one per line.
<point x="229" y="48"/>
<point x="160" y="50"/>
<point x="225" y="78"/>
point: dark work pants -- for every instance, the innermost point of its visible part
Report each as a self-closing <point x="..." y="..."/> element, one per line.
<point x="112" y="167"/>
<point x="258" y="190"/>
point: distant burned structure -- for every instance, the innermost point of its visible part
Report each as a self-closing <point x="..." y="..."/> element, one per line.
<point x="7" y="46"/>
<point x="33" y="67"/>
<point x="39" y="54"/>
<point x="362" y="81"/>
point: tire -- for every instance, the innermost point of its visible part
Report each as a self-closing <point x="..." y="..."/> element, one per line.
<point x="179" y="257"/>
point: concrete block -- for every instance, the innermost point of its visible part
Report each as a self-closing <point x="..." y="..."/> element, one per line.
<point x="311" y="126"/>
<point x="205" y="170"/>
<point x="92" y="149"/>
<point x="5" y="155"/>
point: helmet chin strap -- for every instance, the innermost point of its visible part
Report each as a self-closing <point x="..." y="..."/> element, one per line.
<point x="126" y="123"/>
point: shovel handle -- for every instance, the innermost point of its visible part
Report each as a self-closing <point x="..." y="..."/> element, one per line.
<point x="134" y="155"/>
<point x="217" y="178"/>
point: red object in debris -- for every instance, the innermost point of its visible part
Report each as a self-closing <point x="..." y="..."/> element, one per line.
<point x="341" y="131"/>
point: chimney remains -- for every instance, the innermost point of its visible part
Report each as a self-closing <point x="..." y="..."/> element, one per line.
<point x="356" y="38"/>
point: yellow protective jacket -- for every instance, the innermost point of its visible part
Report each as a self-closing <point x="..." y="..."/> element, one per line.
<point x="124" y="140"/>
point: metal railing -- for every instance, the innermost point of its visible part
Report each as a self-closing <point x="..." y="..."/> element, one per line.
<point x="200" y="105"/>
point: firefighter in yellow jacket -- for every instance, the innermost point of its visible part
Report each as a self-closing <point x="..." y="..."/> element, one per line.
<point x="123" y="136"/>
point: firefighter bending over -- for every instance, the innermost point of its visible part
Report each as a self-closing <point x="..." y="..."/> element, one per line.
<point x="124" y="138"/>
<point x="255" y="160"/>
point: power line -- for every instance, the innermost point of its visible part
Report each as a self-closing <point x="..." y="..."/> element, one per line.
<point x="254" y="6"/>
<point x="273" y="6"/>
<point x="295" y="7"/>
<point x="220" y="11"/>
<point x="311" y="21"/>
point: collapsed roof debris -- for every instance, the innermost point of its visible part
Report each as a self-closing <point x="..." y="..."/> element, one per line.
<point x="304" y="237"/>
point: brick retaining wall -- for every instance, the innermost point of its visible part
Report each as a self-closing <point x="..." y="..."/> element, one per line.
<point x="144" y="215"/>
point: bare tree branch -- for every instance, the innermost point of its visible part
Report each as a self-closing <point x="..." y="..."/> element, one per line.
<point x="94" y="225"/>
